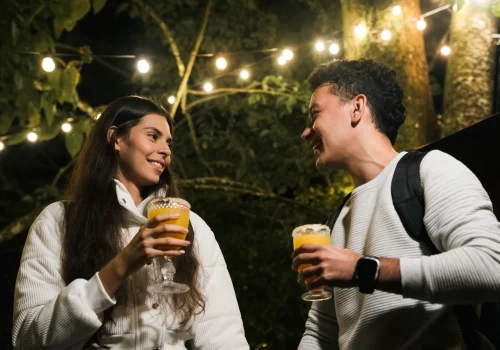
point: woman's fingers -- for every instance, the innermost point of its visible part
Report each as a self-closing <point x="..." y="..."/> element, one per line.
<point x="158" y="243"/>
<point x="158" y="219"/>
<point x="168" y="228"/>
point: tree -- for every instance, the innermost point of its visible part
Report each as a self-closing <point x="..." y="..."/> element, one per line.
<point x="469" y="74"/>
<point x="364" y="21"/>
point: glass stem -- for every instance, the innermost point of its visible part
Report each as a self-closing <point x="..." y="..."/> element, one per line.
<point x="168" y="271"/>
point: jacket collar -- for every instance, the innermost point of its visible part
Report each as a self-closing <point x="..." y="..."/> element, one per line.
<point x="138" y="213"/>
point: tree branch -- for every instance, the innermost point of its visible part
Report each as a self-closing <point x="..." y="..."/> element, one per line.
<point x="62" y="171"/>
<point x="183" y="85"/>
<point x="231" y="91"/>
<point x="171" y="41"/>
<point x="196" y="145"/>
<point x="18" y="225"/>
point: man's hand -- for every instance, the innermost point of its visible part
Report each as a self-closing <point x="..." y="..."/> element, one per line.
<point x="331" y="266"/>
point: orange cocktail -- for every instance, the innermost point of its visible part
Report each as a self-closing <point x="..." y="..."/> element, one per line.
<point x="312" y="234"/>
<point x="170" y="205"/>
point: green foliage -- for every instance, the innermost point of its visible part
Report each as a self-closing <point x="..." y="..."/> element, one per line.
<point x="496" y="9"/>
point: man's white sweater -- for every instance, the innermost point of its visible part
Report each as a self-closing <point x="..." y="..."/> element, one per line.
<point x="459" y="220"/>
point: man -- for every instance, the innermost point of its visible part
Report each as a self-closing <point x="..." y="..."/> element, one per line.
<point x="356" y="110"/>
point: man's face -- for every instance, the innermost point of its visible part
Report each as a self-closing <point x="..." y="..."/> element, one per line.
<point x="329" y="129"/>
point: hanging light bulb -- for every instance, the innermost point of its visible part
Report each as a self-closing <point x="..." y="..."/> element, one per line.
<point x="421" y="24"/>
<point x="32" y="137"/>
<point x="334" y="48"/>
<point x="281" y="60"/>
<point x="287" y="54"/>
<point x="445" y="50"/>
<point x="455" y="7"/>
<point x="143" y="66"/>
<point x="171" y="99"/>
<point x="97" y="116"/>
<point x="360" y="30"/>
<point x="1" y="146"/>
<point x="48" y="64"/>
<point x="221" y="63"/>
<point x="386" y="35"/>
<point x="66" y="127"/>
<point x="208" y="87"/>
<point x="320" y="46"/>
<point x="244" y="74"/>
<point x="396" y="10"/>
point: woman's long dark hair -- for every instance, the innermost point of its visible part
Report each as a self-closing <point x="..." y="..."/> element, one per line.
<point x="94" y="219"/>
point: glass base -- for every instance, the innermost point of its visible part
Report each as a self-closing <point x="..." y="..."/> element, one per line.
<point x="168" y="287"/>
<point x="317" y="295"/>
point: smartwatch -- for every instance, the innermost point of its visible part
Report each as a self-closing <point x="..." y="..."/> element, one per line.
<point x="367" y="273"/>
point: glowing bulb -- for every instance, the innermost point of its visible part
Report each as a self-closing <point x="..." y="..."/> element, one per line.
<point x="287" y="54"/>
<point x="334" y="48"/>
<point x="97" y="116"/>
<point x="320" y="46"/>
<point x="244" y="74"/>
<point x="361" y="30"/>
<point x="386" y="35"/>
<point x="171" y="99"/>
<point x="455" y="7"/>
<point x="1" y="145"/>
<point x="48" y="64"/>
<point x="221" y="63"/>
<point x="32" y="136"/>
<point x="143" y="66"/>
<point x="208" y="87"/>
<point x="421" y="24"/>
<point x="281" y="60"/>
<point x="396" y="10"/>
<point x="445" y="50"/>
<point x="66" y="127"/>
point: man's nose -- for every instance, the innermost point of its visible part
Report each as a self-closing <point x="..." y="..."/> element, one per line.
<point x="306" y="134"/>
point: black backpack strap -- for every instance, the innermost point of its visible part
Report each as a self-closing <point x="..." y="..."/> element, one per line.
<point x="333" y="218"/>
<point x="408" y="198"/>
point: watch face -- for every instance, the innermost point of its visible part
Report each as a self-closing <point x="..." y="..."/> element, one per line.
<point x="367" y="269"/>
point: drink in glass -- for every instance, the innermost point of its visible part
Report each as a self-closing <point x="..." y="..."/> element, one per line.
<point x="312" y="234"/>
<point x="169" y="205"/>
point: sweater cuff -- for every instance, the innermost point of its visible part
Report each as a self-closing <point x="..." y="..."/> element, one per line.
<point x="95" y="296"/>
<point x="412" y="278"/>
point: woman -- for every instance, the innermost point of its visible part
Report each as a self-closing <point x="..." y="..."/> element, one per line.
<point x="86" y="263"/>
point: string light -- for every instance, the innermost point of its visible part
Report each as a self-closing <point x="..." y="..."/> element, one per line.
<point x="320" y="46"/>
<point x="1" y="146"/>
<point x="396" y="10"/>
<point x="208" y="87"/>
<point x="421" y="24"/>
<point x="360" y="30"/>
<point x="386" y="35"/>
<point x="48" y="64"/>
<point x="221" y="63"/>
<point x="287" y="54"/>
<point x="455" y="7"/>
<point x="281" y="60"/>
<point x="171" y="99"/>
<point x="244" y="74"/>
<point x="32" y="137"/>
<point x="445" y="50"/>
<point x="97" y="116"/>
<point x="143" y="66"/>
<point x="66" y="127"/>
<point x="334" y="48"/>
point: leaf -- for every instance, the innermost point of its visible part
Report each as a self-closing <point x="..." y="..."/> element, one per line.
<point x="34" y="116"/>
<point x="74" y="141"/>
<point x="98" y="5"/>
<point x="67" y="13"/>
<point x="496" y="9"/>
<point x="48" y="108"/>
<point x="16" y="139"/>
<point x="69" y="81"/>
<point x="14" y="31"/>
<point x="48" y="132"/>
<point x="460" y="4"/>
<point x="5" y="122"/>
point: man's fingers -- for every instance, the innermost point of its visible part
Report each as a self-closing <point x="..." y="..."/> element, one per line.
<point x="306" y="248"/>
<point x="305" y="258"/>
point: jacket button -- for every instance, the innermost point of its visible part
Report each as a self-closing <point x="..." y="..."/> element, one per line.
<point x="123" y="200"/>
<point x="155" y="306"/>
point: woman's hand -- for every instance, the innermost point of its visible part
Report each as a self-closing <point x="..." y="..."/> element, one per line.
<point x="143" y="248"/>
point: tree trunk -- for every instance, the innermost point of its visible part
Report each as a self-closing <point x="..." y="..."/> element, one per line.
<point x="468" y="91"/>
<point x="405" y="52"/>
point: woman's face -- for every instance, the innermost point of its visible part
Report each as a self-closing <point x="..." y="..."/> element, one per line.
<point x="145" y="152"/>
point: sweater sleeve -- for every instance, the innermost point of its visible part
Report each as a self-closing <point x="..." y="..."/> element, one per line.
<point x="322" y="330"/>
<point x="220" y="326"/>
<point x="47" y="313"/>
<point x="460" y="221"/>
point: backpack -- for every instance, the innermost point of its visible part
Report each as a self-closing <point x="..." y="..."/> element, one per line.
<point x="408" y="198"/>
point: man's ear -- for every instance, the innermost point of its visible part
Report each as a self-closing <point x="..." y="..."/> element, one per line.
<point x="116" y="140"/>
<point x="359" y="104"/>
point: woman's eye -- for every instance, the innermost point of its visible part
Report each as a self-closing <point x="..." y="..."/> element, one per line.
<point x="153" y="136"/>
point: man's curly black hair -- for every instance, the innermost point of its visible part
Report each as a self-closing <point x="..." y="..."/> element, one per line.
<point x="375" y="80"/>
